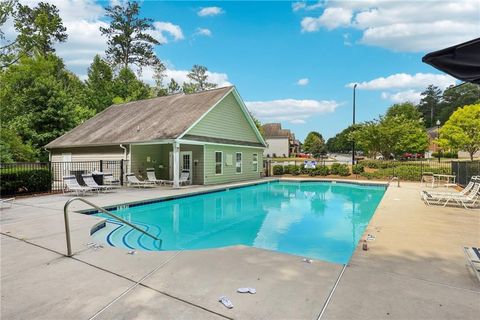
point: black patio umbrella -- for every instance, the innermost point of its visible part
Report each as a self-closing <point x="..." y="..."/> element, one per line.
<point x="461" y="61"/>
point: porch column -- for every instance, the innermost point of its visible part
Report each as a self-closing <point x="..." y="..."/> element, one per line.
<point x="176" y="164"/>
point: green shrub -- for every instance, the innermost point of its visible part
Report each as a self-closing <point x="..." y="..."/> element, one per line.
<point x="378" y="164"/>
<point x="322" y="171"/>
<point x="340" y="169"/>
<point x="277" y="170"/>
<point x="24" y="181"/>
<point x="358" y="168"/>
<point x="408" y="172"/>
<point x="449" y="155"/>
<point x="290" y="169"/>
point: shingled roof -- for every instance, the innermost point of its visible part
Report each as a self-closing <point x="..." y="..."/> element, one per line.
<point x="274" y="130"/>
<point x="145" y="120"/>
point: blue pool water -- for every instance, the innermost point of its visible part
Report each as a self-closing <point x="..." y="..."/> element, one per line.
<point x="320" y="220"/>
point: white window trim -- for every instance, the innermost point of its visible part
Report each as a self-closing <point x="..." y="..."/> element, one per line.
<point x="255" y="162"/>
<point x="241" y="162"/>
<point x="221" y="161"/>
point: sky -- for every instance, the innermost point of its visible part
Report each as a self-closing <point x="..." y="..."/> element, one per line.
<point x="292" y="62"/>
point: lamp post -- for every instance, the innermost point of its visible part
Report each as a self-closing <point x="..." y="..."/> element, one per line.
<point x="353" y="122"/>
<point x="438" y="137"/>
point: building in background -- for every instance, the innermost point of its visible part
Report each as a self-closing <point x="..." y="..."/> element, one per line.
<point x="210" y="134"/>
<point x="280" y="142"/>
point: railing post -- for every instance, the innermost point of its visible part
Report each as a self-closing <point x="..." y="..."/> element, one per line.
<point x="101" y="165"/>
<point x="51" y="176"/>
<point x="121" y="172"/>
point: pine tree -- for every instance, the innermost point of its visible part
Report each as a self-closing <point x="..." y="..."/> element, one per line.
<point x="129" y="42"/>
<point x="99" y="84"/>
<point x="429" y="104"/>
<point x="38" y="28"/>
<point x="199" y="78"/>
<point x="173" y="87"/>
<point x="159" y="76"/>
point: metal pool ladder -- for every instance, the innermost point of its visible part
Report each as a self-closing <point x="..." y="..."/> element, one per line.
<point x="67" y="223"/>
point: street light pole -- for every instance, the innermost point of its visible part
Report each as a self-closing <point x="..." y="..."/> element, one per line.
<point x="353" y="142"/>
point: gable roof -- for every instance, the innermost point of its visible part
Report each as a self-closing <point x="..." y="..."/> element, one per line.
<point x="274" y="130"/>
<point x="159" y="118"/>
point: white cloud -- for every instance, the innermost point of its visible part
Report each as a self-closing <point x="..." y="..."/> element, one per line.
<point x="210" y="11"/>
<point x="292" y="110"/>
<point x="161" y="29"/>
<point x="303" y="82"/>
<point x="404" y="80"/>
<point x="296" y="6"/>
<point x="331" y="18"/>
<point x="403" y="96"/>
<point x="402" y="25"/>
<point x="83" y="19"/>
<point x="180" y="76"/>
<point x="203" y="32"/>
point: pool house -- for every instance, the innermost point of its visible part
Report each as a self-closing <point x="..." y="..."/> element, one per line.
<point x="209" y="134"/>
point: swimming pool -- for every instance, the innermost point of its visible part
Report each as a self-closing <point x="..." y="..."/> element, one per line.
<point x="321" y="220"/>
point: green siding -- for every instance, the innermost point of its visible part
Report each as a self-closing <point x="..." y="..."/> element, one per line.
<point x="158" y="154"/>
<point x="197" y="161"/>
<point x="229" y="174"/>
<point x="226" y="121"/>
<point x="160" y="160"/>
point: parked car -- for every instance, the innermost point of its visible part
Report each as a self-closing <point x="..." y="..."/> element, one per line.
<point x="408" y="155"/>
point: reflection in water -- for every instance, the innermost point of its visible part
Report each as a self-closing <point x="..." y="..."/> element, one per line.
<point x="318" y="220"/>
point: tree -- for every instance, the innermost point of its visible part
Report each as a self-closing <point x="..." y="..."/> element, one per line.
<point x="342" y="141"/>
<point x="429" y="104"/>
<point x="173" y="87"/>
<point x="199" y="78"/>
<point x="13" y="149"/>
<point x="393" y="134"/>
<point x="458" y="96"/>
<point x="462" y="130"/>
<point x="408" y="110"/>
<point x="6" y="9"/>
<point x="40" y="100"/>
<point x="317" y="148"/>
<point x="159" y="75"/>
<point x="129" y="42"/>
<point x="368" y="138"/>
<point x="99" y="85"/>
<point x="126" y="87"/>
<point x="310" y="140"/>
<point x="258" y="124"/>
<point x="38" y="28"/>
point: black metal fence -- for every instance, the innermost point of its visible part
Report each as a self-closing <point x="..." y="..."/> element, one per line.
<point x="464" y="170"/>
<point x="37" y="177"/>
<point x="411" y="170"/>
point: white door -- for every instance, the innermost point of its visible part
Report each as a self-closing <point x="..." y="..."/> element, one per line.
<point x="66" y="163"/>
<point x="185" y="163"/>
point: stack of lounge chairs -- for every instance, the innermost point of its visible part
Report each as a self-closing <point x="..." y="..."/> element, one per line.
<point x="90" y="185"/>
<point x="184" y="178"/>
<point x="468" y="198"/>
<point x="133" y="181"/>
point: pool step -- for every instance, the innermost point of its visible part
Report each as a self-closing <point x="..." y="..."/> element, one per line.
<point x="123" y="236"/>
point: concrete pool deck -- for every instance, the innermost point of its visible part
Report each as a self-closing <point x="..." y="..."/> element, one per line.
<point x="413" y="269"/>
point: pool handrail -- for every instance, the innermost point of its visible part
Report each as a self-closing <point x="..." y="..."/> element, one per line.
<point x="67" y="222"/>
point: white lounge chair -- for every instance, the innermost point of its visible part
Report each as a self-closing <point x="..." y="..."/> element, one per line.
<point x="184" y="178"/>
<point x="466" y="190"/>
<point x="109" y="180"/>
<point x="7" y="201"/>
<point x="90" y="182"/>
<point x="467" y="200"/>
<point x="151" y="177"/>
<point x="472" y="255"/>
<point x="72" y="185"/>
<point x="132" y="180"/>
